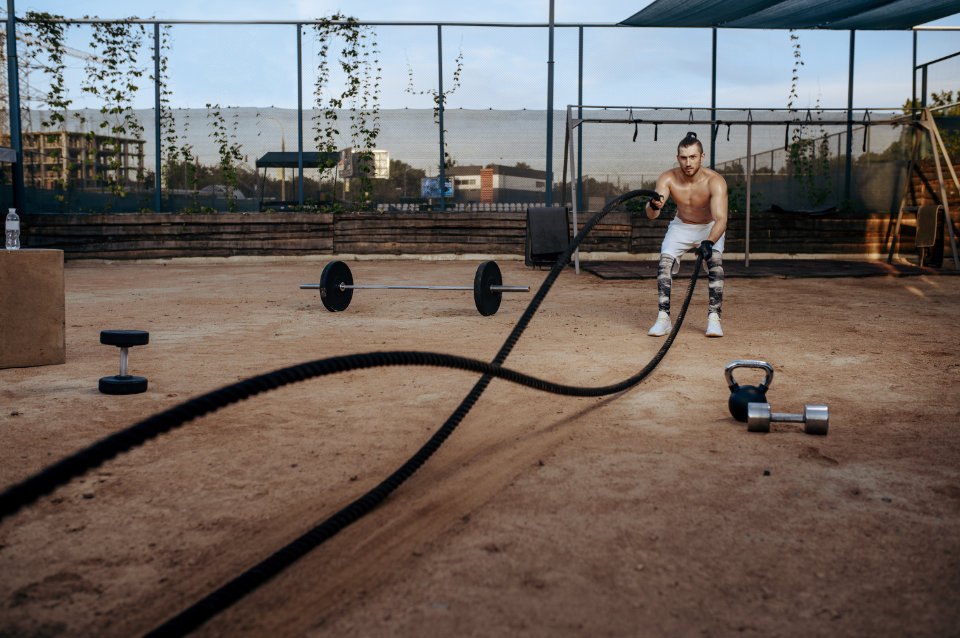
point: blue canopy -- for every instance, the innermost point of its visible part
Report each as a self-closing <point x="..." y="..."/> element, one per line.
<point x="793" y="14"/>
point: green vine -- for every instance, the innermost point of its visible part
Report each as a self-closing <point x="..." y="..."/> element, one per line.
<point x="191" y="166"/>
<point x="170" y="150"/>
<point x="439" y="101"/>
<point x="229" y="149"/>
<point x="114" y="82"/>
<point x="359" y="61"/>
<point x="51" y="31"/>
<point x="808" y="157"/>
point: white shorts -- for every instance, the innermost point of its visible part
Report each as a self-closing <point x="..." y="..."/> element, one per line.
<point x="682" y="237"/>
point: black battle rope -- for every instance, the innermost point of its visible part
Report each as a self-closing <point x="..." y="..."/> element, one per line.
<point x="30" y="490"/>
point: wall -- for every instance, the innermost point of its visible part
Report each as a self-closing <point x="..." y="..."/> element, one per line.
<point x="150" y="235"/>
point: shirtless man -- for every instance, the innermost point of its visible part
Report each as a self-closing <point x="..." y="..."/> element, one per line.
<point x="701" y="198"/>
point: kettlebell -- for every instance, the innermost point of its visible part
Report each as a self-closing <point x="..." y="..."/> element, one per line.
<point x="741" y="395"/>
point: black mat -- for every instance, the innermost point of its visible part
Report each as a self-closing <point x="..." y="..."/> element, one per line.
<point x="784" y="268"/>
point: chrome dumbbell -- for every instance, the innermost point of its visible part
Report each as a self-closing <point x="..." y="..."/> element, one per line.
<point x="815" y="418"/>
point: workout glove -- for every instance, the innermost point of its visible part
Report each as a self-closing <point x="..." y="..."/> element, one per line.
<point x="706" y="249"/>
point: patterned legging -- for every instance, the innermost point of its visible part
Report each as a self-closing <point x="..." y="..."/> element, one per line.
<point x="714" y="282"/>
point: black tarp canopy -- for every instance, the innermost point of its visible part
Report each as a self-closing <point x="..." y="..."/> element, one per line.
<point x="289" y="159"/>
<point x="793" y="14"/>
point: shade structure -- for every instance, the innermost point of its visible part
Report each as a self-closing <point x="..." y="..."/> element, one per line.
<point x="793" y="14"/>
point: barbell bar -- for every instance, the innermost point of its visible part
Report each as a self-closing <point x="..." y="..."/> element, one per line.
<point x="336" y="287"/>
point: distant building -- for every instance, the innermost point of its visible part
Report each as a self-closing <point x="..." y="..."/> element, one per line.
<point x="84" y="161"/>
<point x="497" y="183"/>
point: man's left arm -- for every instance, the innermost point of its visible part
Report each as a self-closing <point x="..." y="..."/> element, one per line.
<point x="718" y="207"/>
<point x="718" y="211"/>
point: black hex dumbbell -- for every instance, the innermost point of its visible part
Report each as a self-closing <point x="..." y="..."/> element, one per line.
<point x="123" y="383"/>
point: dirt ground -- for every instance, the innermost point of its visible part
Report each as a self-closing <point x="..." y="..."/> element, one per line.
<point x="652" y="512"/>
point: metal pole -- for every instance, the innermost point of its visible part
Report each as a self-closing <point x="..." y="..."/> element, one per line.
<point x="574" y="167"/>
<point x="549" y="186"/>
<point x="848" y="175"/>
<point x="934" y="134"/>
<point x="713" y="103"/>
<point x="299" y="112"/>
<point x="343" y="286"/>
<point x="13" y="84"/>
<point x="913" y="93"/>
<point x="746" y="253"/>
<point x="579" y="129"/>
<point x="442" y="185"/>
<point x="923" y="87"/>
<point x="158" y="112"/>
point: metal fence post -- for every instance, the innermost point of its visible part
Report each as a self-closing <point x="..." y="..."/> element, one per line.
<point x="13" y="84"/>
<point x="713" y="102"/>
<point x="549" y="187"/>
<point x="580" y="116"/>
<point x="158" y="113"/>
<point x="849" y="165"/>
<point x="442" y="184"/>
<point x="300" y="113"/>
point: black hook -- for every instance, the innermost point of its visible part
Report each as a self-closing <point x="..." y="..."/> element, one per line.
<point x="866" y="129"/>
<point x="635" y="130"/>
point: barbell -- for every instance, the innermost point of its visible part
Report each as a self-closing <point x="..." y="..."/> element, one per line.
<point x="336" y="287"/>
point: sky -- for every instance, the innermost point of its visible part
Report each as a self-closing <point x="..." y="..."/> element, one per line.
<point x="506" y="68"/>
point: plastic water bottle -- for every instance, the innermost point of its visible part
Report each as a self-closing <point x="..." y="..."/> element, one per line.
<point x="13" y="230"/>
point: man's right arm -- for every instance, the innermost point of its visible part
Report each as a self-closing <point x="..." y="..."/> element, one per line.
<point x="663" y="189"/>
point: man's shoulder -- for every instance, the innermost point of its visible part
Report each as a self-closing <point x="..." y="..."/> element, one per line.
<point x="713" y="176"/>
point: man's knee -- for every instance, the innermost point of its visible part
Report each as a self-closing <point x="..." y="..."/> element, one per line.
<point x="664" y="282"/>
<point x="715" y="281"/>
<point x="715" y="263"/>
<point x="666" y="268"/>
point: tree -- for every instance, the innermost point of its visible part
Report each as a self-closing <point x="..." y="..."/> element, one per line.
<point x="937" y="101"/>
<point x="942" y="105"/>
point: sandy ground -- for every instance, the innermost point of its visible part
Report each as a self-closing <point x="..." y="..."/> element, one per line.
<point x="651" y="512"/>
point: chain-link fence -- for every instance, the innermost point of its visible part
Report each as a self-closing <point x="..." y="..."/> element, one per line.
<point x="235" y="149"/>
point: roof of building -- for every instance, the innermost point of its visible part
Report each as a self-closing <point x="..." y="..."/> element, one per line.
<point x="498" y="169"/>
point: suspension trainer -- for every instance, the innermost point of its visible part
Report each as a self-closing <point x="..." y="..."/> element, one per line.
<point x="32" y="489"/>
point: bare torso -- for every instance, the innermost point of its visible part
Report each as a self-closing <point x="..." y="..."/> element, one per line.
<point x="700" y="194"/>
<point x="692" y="196"/>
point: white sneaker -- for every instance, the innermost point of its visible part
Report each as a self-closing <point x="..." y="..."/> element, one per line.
<point x="713" y="325"/>
<point x="662" y="326"/>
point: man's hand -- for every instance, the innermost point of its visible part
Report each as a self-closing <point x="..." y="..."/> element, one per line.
<point x="656" y="203"/>
<point x="706" y="249"/>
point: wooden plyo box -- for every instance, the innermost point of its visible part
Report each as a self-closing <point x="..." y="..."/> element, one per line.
<point x="31" y="308"/>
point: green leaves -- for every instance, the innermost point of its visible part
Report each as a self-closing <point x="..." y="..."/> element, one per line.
<point x="808" y="159"/>
<point x="228" y="148"/>
<point x="358" y="60"/>
<point x="110" y="77"/>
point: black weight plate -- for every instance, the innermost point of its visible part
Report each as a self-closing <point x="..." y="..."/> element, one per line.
<point x="488" y="274"/>
<point x="123" y="385"/>
<point x="124" y="338"/>
<point x="334" y="274"/>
